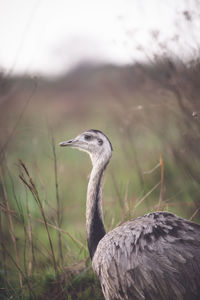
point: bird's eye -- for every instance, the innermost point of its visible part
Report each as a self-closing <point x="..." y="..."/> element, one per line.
<point x="87" y="137"/>
<point x="100" y="141"/>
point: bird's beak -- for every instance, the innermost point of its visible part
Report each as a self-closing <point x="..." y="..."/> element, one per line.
<point x="67" y="143"/>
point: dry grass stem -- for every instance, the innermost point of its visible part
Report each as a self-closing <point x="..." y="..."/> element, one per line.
<point x="12" y="233"/>
<point x="30" y="184"/>
<point x="58" y="209"/>
<point x="152" y="170"/>
<point x="194" y="214"/>
<point x="161" y="182"/>
<point x="146" y="195"/>
<point x="65" y="232"/>
<point x="30" y="237"/>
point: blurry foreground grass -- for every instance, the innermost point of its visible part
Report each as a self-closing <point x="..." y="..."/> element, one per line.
<point x="155" y="166"/>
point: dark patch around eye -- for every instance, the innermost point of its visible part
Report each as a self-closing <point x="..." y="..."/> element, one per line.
<point x="87" y="137"/>
<point x="96" y="131"/>
<point x="100" y="141"/>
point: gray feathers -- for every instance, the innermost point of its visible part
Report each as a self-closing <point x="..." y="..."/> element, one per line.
<point x="153" y="257"/>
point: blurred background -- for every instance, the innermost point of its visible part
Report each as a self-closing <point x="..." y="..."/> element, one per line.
<point x="130" y="69"/>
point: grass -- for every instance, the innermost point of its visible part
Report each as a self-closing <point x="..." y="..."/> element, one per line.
<point x="155" y="163"/>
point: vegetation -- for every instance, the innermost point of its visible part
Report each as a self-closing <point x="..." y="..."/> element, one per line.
<point x="151" y="114"/>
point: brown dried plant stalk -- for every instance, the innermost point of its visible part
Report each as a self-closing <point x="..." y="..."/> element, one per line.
<point x="10" y="220"/>
<point x="30" y="237"/>
<point x="58" y="209"/>
<point x="31" y="186"/>
<point x="161" y="182"/>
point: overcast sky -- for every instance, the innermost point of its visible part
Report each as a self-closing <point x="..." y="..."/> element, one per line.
<point x="52" y="36"/>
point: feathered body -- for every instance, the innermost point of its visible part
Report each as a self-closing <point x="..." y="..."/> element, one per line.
<point x="154" y="257"/>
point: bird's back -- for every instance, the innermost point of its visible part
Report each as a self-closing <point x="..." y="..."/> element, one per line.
<point x="156" y="256"/>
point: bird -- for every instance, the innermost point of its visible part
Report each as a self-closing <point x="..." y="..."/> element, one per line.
<point x="153" y="257"/>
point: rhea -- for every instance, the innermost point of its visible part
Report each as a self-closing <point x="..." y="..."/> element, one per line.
<point x="154" y="257"/>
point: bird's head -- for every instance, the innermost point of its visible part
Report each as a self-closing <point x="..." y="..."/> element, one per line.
<point x="92" y="141"/>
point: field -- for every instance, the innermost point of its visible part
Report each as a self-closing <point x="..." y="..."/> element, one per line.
<point x="151" y="115"/>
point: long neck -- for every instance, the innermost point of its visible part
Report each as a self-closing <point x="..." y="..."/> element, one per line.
<point x="94" y="213"/>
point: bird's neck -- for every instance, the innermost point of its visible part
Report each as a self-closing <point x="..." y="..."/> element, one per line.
<point x="94" y="213"/>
